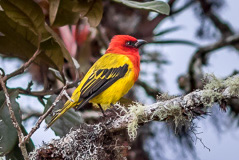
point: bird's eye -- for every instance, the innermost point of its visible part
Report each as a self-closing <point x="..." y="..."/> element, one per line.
<point x="130" y="43"/>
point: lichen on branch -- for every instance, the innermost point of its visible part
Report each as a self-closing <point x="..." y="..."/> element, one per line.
<point x="179" y="110"/>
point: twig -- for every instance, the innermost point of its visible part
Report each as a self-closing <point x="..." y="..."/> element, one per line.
<point x="221" y="25"/>
<point x="2" y="72"/>
<point x="48" y="92"/>
<point x="27" y="116"/>
<point x="14" y="120"/>
<point x="200" y="139"/>
<point x="25" y="65"/>
<point x="30" y="84"/>
<point x="192" y="129"/>
<point x="41" y="118"/>
<point x="150" y="25"/>
<point x="184" y="6"/>
<point x="201" y="53"/>
<point x="199" y="56"/>
<point x="147" y="26"/>
<point x="150" y="91"/>
<point x="67" y="96"/>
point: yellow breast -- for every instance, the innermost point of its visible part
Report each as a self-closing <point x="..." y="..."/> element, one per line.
<point x="118" y="89"/>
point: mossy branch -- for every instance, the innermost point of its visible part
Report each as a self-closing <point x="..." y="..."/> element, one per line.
<point x="100" y="140"/>
<point x="200" y="57"/>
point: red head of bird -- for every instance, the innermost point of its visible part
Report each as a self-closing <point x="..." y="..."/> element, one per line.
<point x="129" y="46"/>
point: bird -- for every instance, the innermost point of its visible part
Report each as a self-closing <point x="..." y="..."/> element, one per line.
<point x="110" y="78"/>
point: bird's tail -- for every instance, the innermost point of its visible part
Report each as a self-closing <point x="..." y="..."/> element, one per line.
<point x="60" y="112"/>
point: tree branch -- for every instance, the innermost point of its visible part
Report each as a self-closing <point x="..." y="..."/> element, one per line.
<point x="38" y="123"/>
<point x="29" y="115"/>
<point x="222" y="26"/>
<point x="102" y="143"/>
<point x="14" y="120"/>
<point x="199" y="57"/>
<point x="185" y="6"/>
<point x="47" y="92"/>
<point x="146" y="28"/>
<point x="149" y="90"/>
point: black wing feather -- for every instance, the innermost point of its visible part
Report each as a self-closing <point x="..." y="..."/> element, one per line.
<point x="94" y="87"/>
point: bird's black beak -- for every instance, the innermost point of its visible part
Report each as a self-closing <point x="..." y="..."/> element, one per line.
<point x="140" y="42"/>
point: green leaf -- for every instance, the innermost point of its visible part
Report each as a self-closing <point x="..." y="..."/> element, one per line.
<point x="19" y="41"/>
<point x="56" y="74"/>
<point x="16" y="153"/>
<point x="95" y="13"/>
<point x="175" y="42"/>
<point x="69" y="120"/>
<point x="69" y="12"/>
<point x="53" y="8"/>
<point x="168" y="30"/>
<point x="61" y="12"/>
<point x="8" y="133"/>
<point x="155" y="6"/>
<point x="22" y="29"/>
<point x="26" y="13"/>
<point x="60" y="46"/>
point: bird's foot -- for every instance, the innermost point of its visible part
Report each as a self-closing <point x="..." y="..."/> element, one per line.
<point x="103" y="112"/>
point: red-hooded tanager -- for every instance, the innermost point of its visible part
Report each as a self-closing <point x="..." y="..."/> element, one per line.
<point x="110" y="78"/>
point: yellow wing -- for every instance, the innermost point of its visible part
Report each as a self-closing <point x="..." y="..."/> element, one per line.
<point x="99" y="81"/>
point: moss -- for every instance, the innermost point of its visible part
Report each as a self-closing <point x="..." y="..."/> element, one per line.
<point x="121" y="108"/>
<point x="88" y="142"/>
<point x="136" y="111"/>
<point x="233" y="82"/>
<point x="209" y="97"/>
<point x="164" y="97"/>
<point x="172" y="113"/>
<point x="212" y="90"/>
<point x="213" y="82"/>
<point x="161" y="113"/>
<point x="179" y="118"/>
